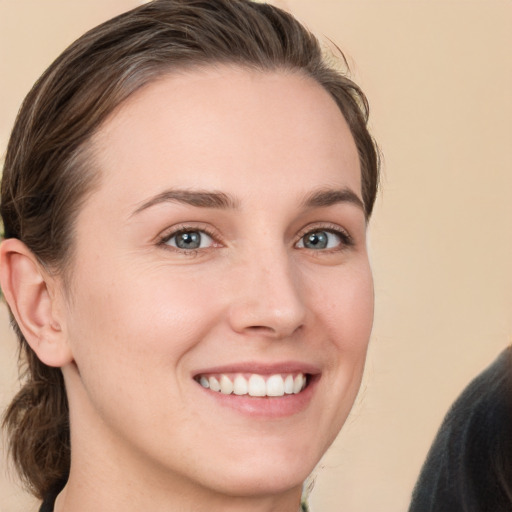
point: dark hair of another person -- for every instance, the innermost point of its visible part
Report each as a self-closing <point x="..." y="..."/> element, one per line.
<point x="469" y="466"/>
<point x="49" y="169"/>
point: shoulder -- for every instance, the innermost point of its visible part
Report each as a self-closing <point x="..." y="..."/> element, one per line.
<point x="469" y="466"/>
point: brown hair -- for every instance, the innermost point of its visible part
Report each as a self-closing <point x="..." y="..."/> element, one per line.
<point x="47" y="174"/>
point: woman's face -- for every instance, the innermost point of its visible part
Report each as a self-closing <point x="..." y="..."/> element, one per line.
<point x="224" y="247"/>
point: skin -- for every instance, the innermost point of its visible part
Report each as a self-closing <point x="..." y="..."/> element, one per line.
<point x="141" y="317"/>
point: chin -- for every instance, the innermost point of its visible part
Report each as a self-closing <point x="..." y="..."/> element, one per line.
<point x="266" y="472"/>
<point x="246" y="482"/>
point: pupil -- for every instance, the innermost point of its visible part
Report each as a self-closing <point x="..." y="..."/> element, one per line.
<point x="190" y="240"/>
<point x="316" y="240"/>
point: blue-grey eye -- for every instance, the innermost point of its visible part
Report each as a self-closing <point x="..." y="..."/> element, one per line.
<point x="318" y="240"/>
<point x="190" y="240"/>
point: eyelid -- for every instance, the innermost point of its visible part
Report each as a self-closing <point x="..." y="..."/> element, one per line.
<point x="175" y="230"/>
<point x="346" y="239"/>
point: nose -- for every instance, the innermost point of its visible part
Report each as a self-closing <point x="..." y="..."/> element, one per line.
<point x="268" y="298"/>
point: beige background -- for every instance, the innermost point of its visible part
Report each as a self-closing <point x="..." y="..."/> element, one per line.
<point x="438" y="75"/>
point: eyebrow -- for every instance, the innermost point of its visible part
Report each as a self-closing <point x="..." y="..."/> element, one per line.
<point x="198" y="198"/>
<point x="219" y="200"/>
<point x="329" y="197"/>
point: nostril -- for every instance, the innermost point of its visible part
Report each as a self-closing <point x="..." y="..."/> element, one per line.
<point x="260" y="329"/>
<point x="273" y="332"/>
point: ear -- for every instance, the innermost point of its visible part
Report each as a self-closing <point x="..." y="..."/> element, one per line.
<point x="35" y="299"/>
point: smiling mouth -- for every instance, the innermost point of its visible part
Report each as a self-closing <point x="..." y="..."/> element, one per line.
<point x="255" y="385"/>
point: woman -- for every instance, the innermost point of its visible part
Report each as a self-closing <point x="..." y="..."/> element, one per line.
<point x="185" y="199"/>
<point x="469" y="466"/>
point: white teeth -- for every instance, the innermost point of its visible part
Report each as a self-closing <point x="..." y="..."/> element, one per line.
<point x="257" y="386"/>
<point x="240" y="386"/>
<point x="226" y="386"/>
<point x="288" y="385"/>
<point x="214" y="384"/>
<point x="298" y="383"/>
<point x="275" y="385"/>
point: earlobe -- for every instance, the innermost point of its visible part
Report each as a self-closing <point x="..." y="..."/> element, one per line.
<point x="30" y="292"/>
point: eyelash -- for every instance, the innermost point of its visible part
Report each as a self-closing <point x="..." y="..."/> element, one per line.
<point x="176" y="231"/>
<point x="346" y="240"/>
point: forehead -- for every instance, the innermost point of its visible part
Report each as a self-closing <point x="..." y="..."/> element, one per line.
<point x="226" y="127"/>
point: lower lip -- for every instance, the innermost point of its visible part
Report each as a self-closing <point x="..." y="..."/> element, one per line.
<point x="267" y="407"/>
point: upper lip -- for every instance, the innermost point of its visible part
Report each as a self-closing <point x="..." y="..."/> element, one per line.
<point x="262" y="368"/>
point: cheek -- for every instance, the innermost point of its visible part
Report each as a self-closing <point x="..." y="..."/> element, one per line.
<point x="347" y="307"/>
<point x="344" y="312"/>
<point x="132" y="336"/>
<point x="127" y="319"/>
